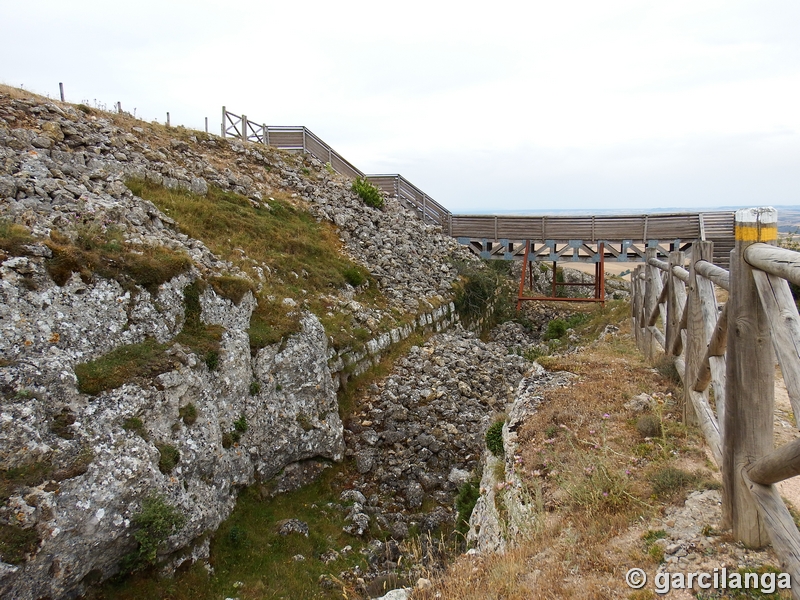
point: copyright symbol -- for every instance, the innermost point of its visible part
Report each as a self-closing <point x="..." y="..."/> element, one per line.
<point x="636" y="579"/>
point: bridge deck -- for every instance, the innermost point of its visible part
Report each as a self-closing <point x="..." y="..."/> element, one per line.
<point x="577" y="238"/>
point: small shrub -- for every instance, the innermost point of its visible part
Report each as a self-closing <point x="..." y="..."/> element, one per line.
<point x="667" y="482"/>
<point x="494" y="438"/>
<point x="134" y="424"/>
<point x="237" y="536"/>
<point x="466" y="499"/>
<point x="170" y="456"/>
<point x="555" y="329"/>
<point x="84" y="109"/>
<point x="353" y="276"/>
<point x="240" y="424"/>
<point x="227" y="439"/>
<point x="367" y="192"/>
<point x="649" y="426"/>
<point x="255" y="388"/>
<point x="154" y="523"/>
<point x="212" y="360"/>
<point x="188" y="413"/>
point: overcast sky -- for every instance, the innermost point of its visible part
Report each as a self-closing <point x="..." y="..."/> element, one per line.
<point x="492" y="106"/>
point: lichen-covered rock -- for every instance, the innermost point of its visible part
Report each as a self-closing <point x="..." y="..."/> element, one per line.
<point x="95" y="469"/>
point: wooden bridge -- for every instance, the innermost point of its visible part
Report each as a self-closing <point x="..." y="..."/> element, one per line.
<point x="588" y="239"/>
<point x="730" y="346"/>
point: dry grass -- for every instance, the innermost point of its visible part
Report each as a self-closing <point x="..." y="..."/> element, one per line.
<point x="594" y="473"/>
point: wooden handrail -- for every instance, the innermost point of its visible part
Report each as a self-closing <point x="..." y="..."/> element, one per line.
<point x="717" y="275"/>
<point x="731" y="352"/>
<point x="775" y="261"/>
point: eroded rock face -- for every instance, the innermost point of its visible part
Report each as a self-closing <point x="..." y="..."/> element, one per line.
<point x="500" y="483"/>
<point x="96" y="467"/>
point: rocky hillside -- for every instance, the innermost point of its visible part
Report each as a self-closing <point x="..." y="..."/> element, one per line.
<point x="154" y="359"/>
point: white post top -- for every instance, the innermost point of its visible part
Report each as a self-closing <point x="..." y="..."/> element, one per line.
<point x="764" y="215"/>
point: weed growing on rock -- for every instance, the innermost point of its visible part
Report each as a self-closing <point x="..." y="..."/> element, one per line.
<point x="135" y="425"/>
<point x="232" y="288"/>
<point x="494" y="438"/>
<point x="467" y="497"/>
<point x="188" y="412"/>
<point x="122" y="364"/>
<point x="169" y="458"/>
<point x="17" y="543"/>
<point x="367" y="192"/>
<point x="155" y="522"/>
<point x="484" y="292"/>
<point x="255" y="388"/>
<point x="14" y="238"/>
<point x="105" y="253"/>
<point x="240" y="424"/>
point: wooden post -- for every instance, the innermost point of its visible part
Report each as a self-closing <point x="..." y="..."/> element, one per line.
<point x="676" y="298"/>
<point x="167" y="119"/>
<point x="206" y="124"/>
<point x="224" y="116"/>
<point x="638" y="302"/>
<point x="61" y="90"/>
<point x="651" y="294"/>
<point x="522" y="276"/>
<point x="749" y="395"/>
<point x="244" y="128"/>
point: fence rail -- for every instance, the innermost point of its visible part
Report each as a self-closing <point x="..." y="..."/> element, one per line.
<point x="731" y="350"/>
<point x="301" y="139"/>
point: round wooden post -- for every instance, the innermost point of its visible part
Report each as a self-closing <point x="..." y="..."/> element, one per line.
<point x="749" y="394"/>
<point x="676" y="298"/>
<point x="652" y="291"/>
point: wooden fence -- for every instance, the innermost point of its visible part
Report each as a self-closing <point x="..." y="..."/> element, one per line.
<point x="725" y="353"/>
<point x="301" y="139"/>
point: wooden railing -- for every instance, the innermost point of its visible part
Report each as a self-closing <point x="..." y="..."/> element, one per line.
<point x="730" y="347"/>
<point x="301" y="139"/>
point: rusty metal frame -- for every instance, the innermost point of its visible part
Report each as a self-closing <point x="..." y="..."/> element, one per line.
<point x="598" y="283"/>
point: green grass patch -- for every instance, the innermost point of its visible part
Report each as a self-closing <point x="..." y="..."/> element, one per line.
<point x="188" y="413"/>
<point x="247" y="548"/>
<point x="16" y="543"/>
<point x="147" y="359"/>
<point x="669" y="482"/>
<point x="121" y="365"/>
<point x="303" y="256"/>
<point x="104" y="252"/>
<point x="14" y="238"/>
<point x="169" y="457"/>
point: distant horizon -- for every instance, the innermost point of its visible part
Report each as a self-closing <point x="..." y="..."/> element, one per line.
<point x="622" y="211"/>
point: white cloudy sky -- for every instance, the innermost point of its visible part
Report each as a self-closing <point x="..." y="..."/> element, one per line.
<point x="492" y="106"/>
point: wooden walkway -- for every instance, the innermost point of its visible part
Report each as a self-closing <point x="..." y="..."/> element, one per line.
<point x="591" y="238"/>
